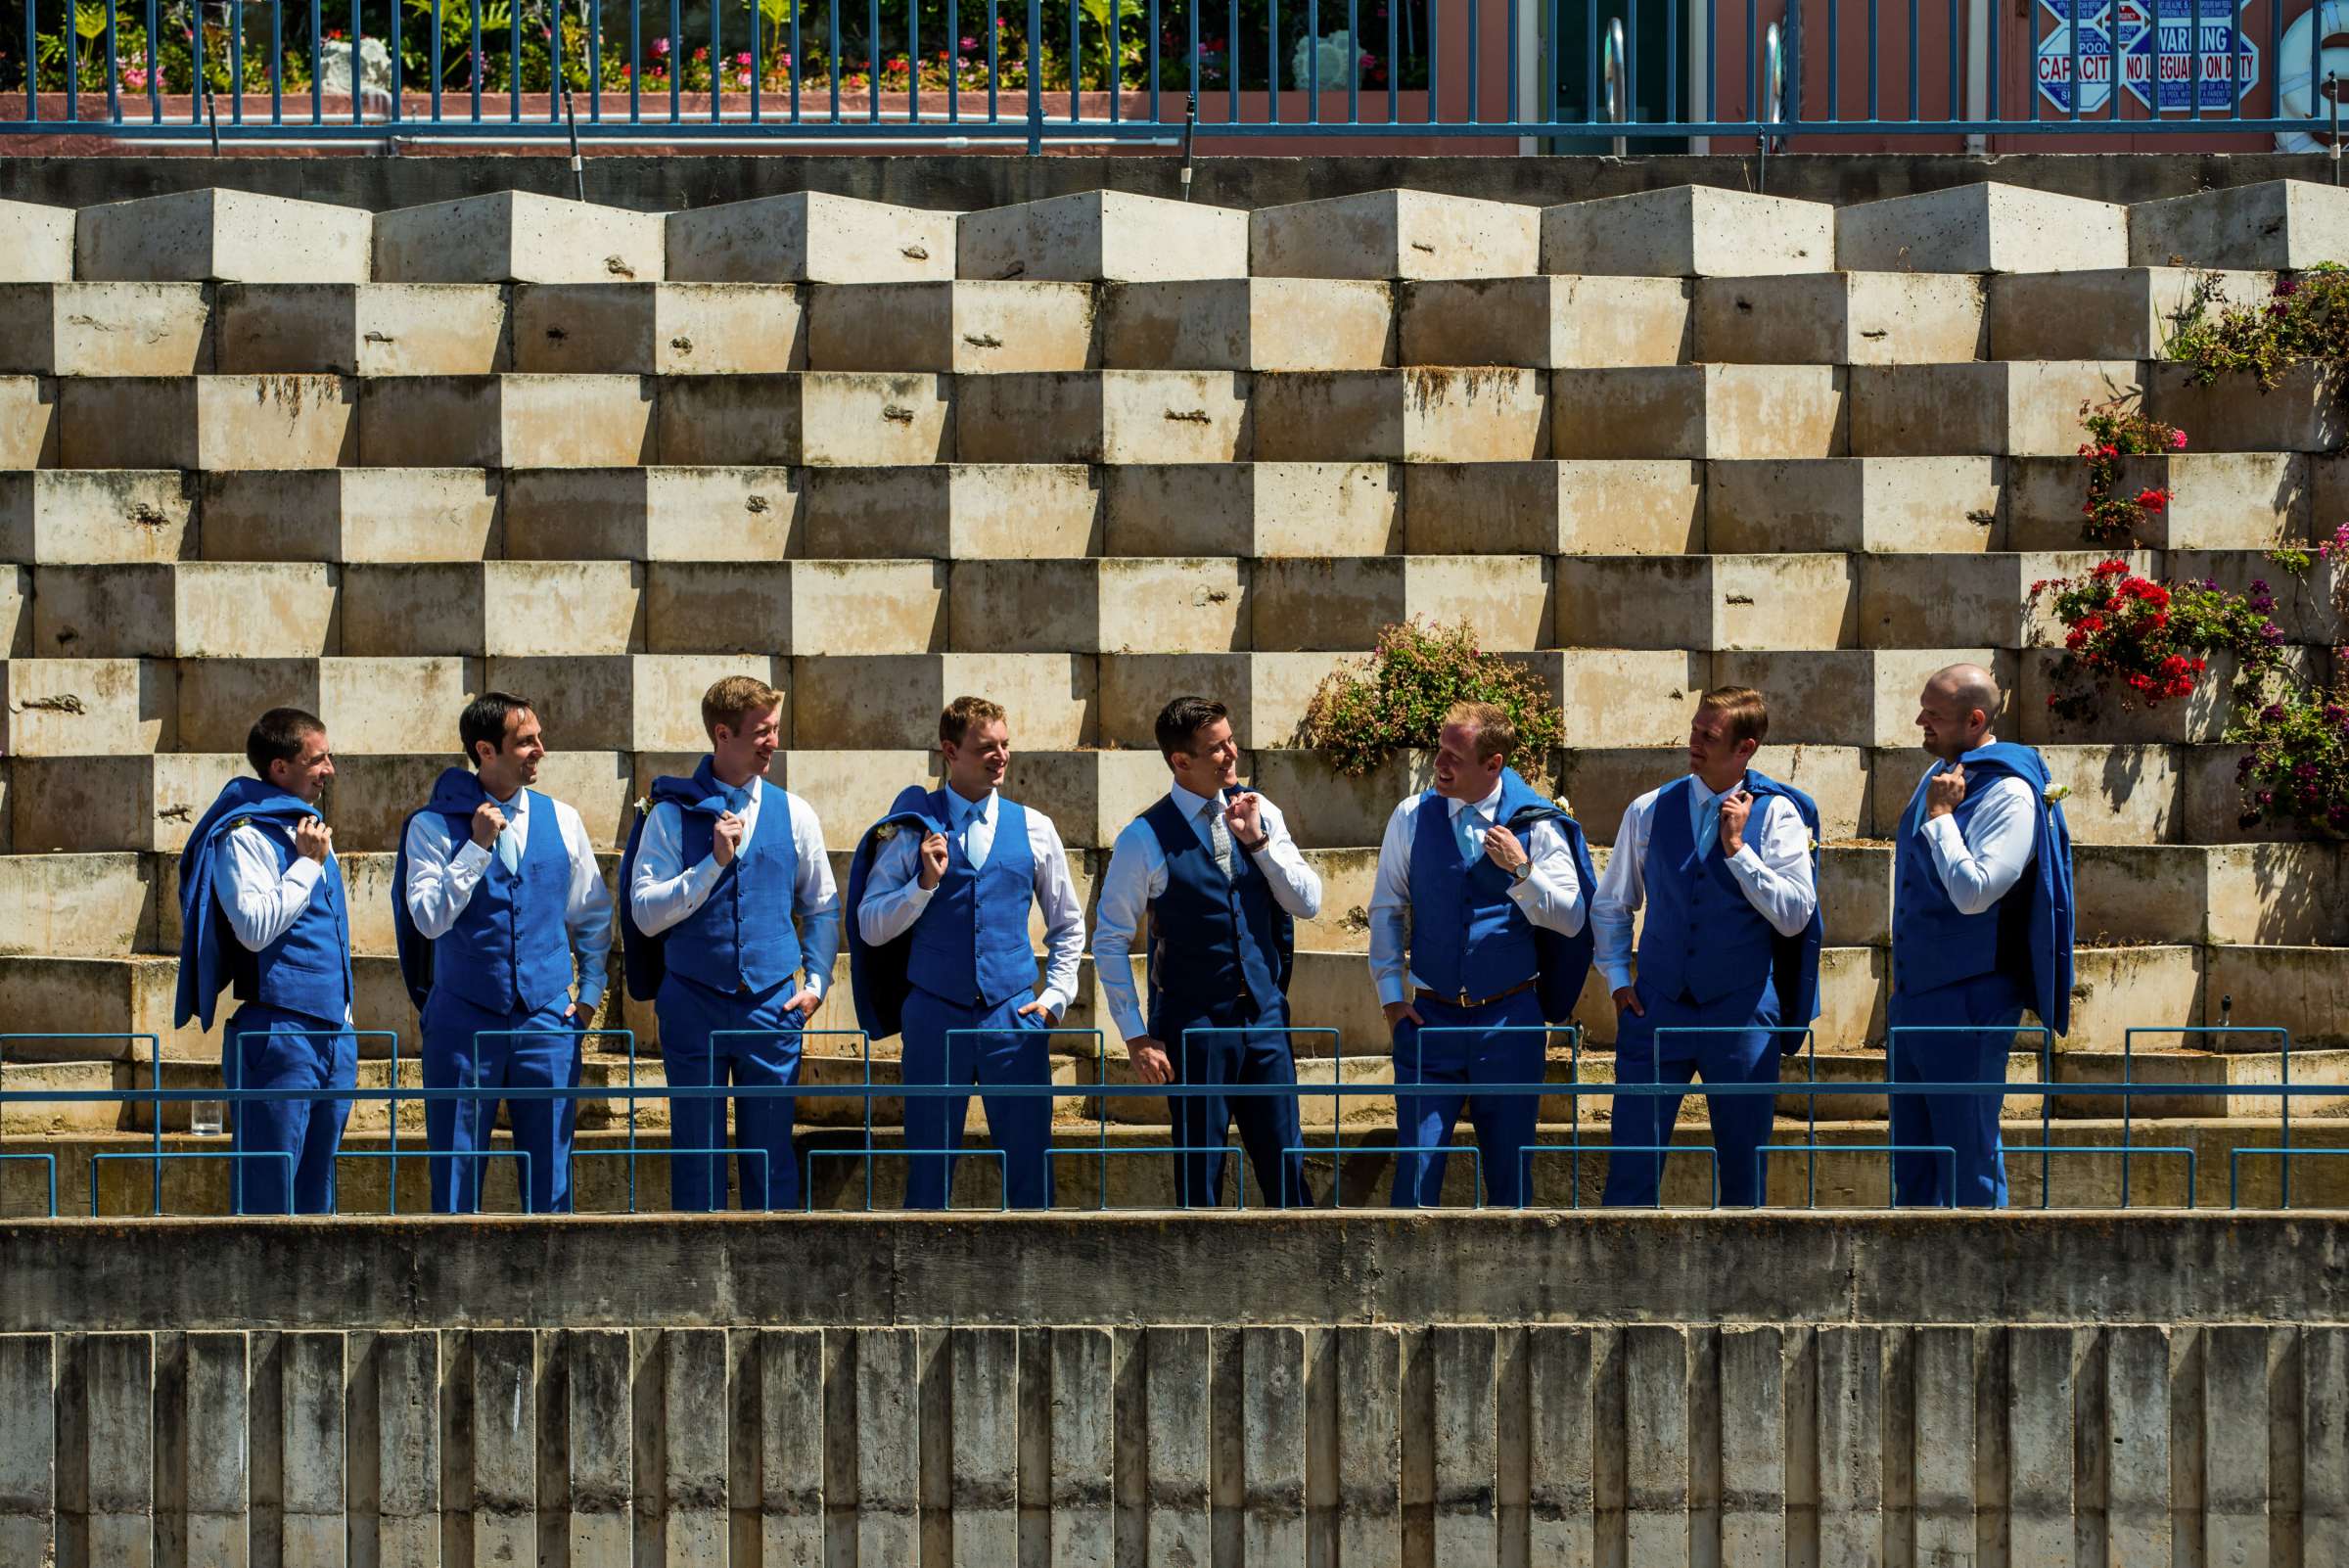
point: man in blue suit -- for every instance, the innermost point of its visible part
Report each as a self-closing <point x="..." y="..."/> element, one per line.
<point x="495" y="897"/>
<point x="263" y="910"/>
<point x="1981" y="929"/>
<point x="938" y="950"/>
<point x="1477" y="922"/>
<point x="729" y="920"/>
<point x="1726" y="862"/>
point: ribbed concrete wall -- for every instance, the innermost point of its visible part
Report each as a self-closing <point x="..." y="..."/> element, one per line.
<point x="1327" y="1390"/>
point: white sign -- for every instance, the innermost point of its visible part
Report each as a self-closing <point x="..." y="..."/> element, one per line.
<point x="2157" y="60"/>
<point x="2053" y="66"/>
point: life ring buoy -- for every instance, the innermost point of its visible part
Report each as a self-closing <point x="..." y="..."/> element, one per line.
<point x="2296" y="92"/>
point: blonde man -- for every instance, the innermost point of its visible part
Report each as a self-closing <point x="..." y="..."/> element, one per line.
<point x="730" y="921"/>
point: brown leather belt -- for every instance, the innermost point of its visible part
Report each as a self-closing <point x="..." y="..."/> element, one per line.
<point x="1464" y="1001"/>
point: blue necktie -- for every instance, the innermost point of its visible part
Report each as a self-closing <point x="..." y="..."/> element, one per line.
<point x="509" y="853"/>
<point x="738" y="798"/>
<point x="1708" y="824"/>
<point x="1462" y="831"/>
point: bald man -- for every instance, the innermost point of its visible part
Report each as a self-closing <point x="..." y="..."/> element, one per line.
<point x="1981" y="929"/>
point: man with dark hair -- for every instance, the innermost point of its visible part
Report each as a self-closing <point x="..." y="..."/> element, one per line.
<point x="1726" y="860"/>
<point x="262" y="912"/>
<point x="494" y="891"/>
<point x="1213" y="870"/>
<point x="729" y="920"/>
<point x="1477" y="923"/>
<point x="941" y="890"/>
<point x="1981" y="929"/>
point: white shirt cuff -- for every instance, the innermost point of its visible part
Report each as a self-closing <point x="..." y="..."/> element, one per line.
<point x="1617" y="976"/>
<point x="473" y="858"/>
<point x="304" y="870"/>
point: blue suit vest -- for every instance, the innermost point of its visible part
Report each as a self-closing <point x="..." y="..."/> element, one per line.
<point x="1702" y="937"/>
<point x="1933" y="945"/>
<point x="308" y="969"/>
<point x="742" y="937"/>
<point x="1211" y="939"/>
<point x="510" y="948"/>
<point x="970" y="942"/>
<point x="1468" y="937"/>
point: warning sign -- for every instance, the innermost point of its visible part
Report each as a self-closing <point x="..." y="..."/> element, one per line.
<point x="2158" y="62"/>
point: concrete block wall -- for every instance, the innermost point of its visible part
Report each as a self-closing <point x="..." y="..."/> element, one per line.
<point x="1085" y="452"/>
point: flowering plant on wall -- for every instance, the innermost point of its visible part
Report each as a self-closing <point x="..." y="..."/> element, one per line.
<point x="2152" y="641"/>
<point x="2306" y="317"/>
<point x="2114" y="513"/>
<point x="2297" y="767"/>
<point x="1364" y="713"/>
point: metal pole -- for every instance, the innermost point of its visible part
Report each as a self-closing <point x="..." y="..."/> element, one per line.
<point x="211" y="117"/>
<point x="1190" y="130"/>
<point x="570" y="122"/>
<point x="2332" y="96"/>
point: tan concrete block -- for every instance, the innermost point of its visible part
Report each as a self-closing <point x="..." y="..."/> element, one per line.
<point x="1108" y="416"/>
<point x="1854" y="894"/>
<point x="2115" y="990"/>
<point x="218" y="236"/>
<point x="506" y="421"/>
<point x="105" y="328"/>
<point x="1629" y="697"/>
<point x="1394" y="234"/>
<point x="1250" y="509"/>
<point x="708" y="421"/>
<point x="968" y="326"/>
<point x="660" y="329"/>
<point x="1852" y="696"/>
<point x="2212" y="807"/>
<point x="1842" y="318"/>
<point x="654" y="514"/>
<point x="710" y="607"/>
<point x="1982" y="227"/>
<point x="1102" y="236"/>
<point x="1267" y="693"/>
<point x="871" y="607"/>
<point x="369" y="705"/>
<point x="36" y="243"/>
<point x="208" y="421"/>
<point x="1307" y="604"/>
<point x="2303" y="413"/>
<point x="849" y="419"/>
<point x="2201" y="716"/>
<point x="2302" y="988"/>
<point x="2107" y="313"/>
<point x="1547" y="322"/>
<point x="1248" y="324"/>
<point x="2009" y="407"/>
<point x="113" y="995"/>
<point x="809" y="236"/>
<point x="2272" y="224"/>
<point x="893" y="701"/>
<point x="189" y="610"/>
<point x="79" y="906"/>
<point x="627" y="702"/>
<point x="953" y="511"/>
<point x="1692" y="411"/>
<point x="16" y="610"/>
<point x="1706" y="602"/>
<point x="516" y="237"/>
<point x="2246" y="893"/>
<point x="353" y="514"/>
<point x="374" y="794"/>
<point x="2304" y="607"/>
<point x="494" y="608"/>
<point x="2119" y="794"/>
<point x="1892" y="504"/>
<point x="1952" y="601"/>
<point x="1344" y="925"/>
<point x="1145" y="604"/>
<point x="29" y="422"/>
<point x="87" y="516"/>
<point x="848" y="790"/>
<point x="1601" y="782"/>
<point x="1491" y="414"/>
<point x="2217" y="500"/>
<point x="83" y="804"/>
<point x="363" y="329"/>
<point x="1569" y="508"/>
<point x="1327" y="809"/>
<point x="91" y="707"/>
<point x="1689" y="231"/>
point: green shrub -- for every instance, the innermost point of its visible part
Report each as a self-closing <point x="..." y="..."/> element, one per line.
<point x="1394" y="700"/>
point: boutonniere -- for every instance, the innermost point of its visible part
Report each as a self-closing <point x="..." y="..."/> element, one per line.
<point x="2054" y="792"/>
<point x="642" y="806"/>
<point x="884" y="832"/>
<point x="1811" y="845"/>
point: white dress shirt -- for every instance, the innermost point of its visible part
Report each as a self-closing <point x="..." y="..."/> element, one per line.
<point x="664" y="890"/>
<point x="1550" y="894"/>
<point x="1772" y="867"/>
<point x="1979" y="865"/>
<point x="260" y="901"/>
<point x="441" y="884"/>
<point x="894" y="898"/>
<point x="1138" y="875"/>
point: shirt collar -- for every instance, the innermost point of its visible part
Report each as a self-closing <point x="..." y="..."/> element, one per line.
<point x="1192" y="805"/>
<point x="1484" y="807"/>
<point x="961" y="812"/>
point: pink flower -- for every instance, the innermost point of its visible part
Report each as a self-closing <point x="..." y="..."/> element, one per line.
<point x="743" y="59"/>
<point x="134" y="76"/>
<point x="659" y="46"/>
<point x="2176" y="439"/>
<point x="970" y="43"/>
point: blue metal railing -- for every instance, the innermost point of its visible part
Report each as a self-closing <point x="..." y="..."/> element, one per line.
<point x="872" y="1143"/>
<point x="1144" y="70"/>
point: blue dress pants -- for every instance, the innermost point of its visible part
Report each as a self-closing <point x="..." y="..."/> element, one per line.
<point x="695" y="1049"/>
<point x="1503" y="1122"/>
<point x="1235" y="1041"/>
<point x="1020" y="1126"/>
<point x="266" y="1048"/>
<point x="467" y="1046"/>
<point x="1736" y="1048"/>
<point x="1966" y="1124"/>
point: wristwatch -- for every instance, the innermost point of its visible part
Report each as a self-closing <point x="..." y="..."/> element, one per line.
<point x="1522" y="870"/>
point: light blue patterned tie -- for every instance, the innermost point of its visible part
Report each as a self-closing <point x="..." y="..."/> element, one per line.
<point x="737" y="797"/>
<point x="1462" y="830"/>
<point x="1708" y="824"/>
<point x="509" y="853"/>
